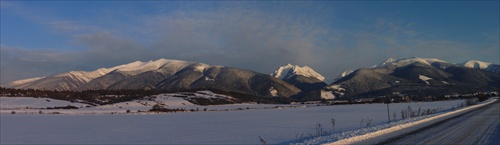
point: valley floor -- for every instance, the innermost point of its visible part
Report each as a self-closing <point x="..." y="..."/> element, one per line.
<point x="275" y="126"/>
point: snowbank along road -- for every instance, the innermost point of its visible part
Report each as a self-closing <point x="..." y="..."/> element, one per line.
<point x="474" y="127"/>
<point x="392" y="134"/>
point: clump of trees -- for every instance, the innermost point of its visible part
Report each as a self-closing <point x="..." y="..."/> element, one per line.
<point x="63" y="107"/>
<point x="161" y="108"/>
<point x="103" y="97"/>
<point x="209" y="101"/>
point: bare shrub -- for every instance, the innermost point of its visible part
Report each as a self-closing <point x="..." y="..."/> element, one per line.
<point x="333" y="123"/>
<point x="262" y="141"/>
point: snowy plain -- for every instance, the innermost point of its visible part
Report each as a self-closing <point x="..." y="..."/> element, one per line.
<point x="275" y="125"/>
<point x="31" y="105"/>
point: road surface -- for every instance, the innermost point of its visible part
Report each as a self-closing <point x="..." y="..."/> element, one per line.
<point x="479" y="126"/>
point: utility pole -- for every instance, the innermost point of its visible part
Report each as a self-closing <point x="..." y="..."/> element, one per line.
<point x="387" y="101"/>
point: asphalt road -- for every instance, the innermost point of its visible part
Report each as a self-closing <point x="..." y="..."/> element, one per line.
<point x="476" y="127"/>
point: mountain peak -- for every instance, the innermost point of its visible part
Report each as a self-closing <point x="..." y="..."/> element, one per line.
<point x="290" y="70"/>
<point x="343" y="74"/>
<point x="385" y="63"/>
<point x="389" y="60"/>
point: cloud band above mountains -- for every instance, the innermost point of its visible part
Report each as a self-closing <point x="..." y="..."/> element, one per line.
<point x="248" y="37"/>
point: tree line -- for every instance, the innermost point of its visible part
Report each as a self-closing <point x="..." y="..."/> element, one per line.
<point x="103" y="97"/>
<point x="92" y="97"/>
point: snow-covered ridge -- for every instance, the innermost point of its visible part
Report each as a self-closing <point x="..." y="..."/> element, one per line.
<point x="407" y="61"/>
<point x="133" y="68"/>
<point x="138" y="67"/>
<point x="385" y="63"/>
<point x="23" y="81"/>
<point x="346" y="72"/>
<point x="475" y="64"/>
<point x="289" y="70"/>
<point x="343" y="74"/>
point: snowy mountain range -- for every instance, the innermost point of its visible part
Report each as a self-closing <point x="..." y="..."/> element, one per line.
<point x="474" y="64"/>
<point x="75" y="79"/>
<point x="401" y="75"/>
<point x="419" y="76"/>
<point x="165" y="74"/>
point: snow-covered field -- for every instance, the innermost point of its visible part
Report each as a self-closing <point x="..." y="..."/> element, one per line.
<point x="275" y="126"/>
<point x="30" y="105"/>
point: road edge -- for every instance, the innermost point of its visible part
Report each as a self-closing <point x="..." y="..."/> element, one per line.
<point x="395" y="131"/>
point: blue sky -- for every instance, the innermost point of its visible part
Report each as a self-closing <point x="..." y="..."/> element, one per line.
<point x="50" y="37"/>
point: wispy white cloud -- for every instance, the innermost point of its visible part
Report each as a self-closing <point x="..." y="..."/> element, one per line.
<point x="237" y="36"/>
<point x="17" y="63"/>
